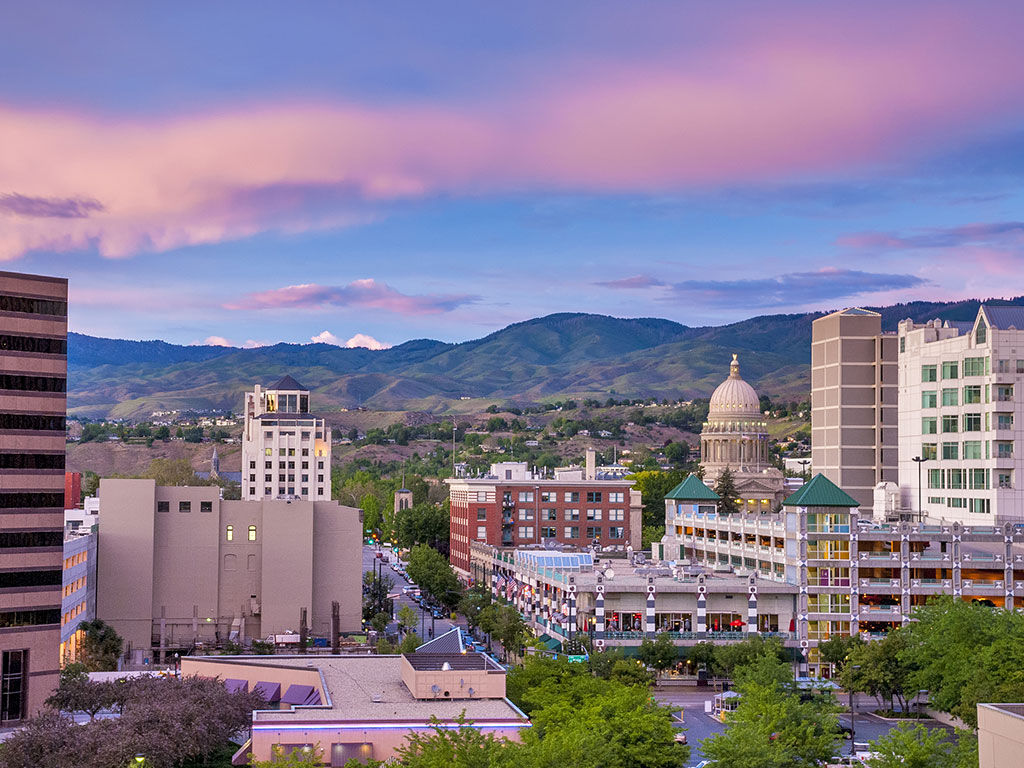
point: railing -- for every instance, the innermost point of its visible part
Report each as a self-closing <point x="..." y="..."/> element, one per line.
<point x="945" y="583"/>
<point x="870" y="555"/>
<point x="929" y="556"/>
<point x="880" y="609"/>
<point x="983" y="557"/>
<point x="982" y="583"/>
<point x="880" y="582"/>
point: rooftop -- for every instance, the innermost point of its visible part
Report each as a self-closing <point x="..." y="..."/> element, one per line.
<point x="692" y="489"/>
<point x="821" y="492"/>
<point x="366" y="688"/>
<point x="288" y="384"/>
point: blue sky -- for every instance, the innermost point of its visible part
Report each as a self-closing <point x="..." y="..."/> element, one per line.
<point x="254" y="173"/>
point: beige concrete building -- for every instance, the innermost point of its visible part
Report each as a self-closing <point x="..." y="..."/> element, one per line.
<point x="853" y="402"/>
<point x="1000" y="735"/>
<point x="735" y="436"/>
<point x="179" y="566"/>
<point x="33" y="374"/>
<point x="286" y="450"/>
<point x="363" y="707"/>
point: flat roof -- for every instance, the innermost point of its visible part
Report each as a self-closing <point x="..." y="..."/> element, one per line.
<point x="368" y="688"/>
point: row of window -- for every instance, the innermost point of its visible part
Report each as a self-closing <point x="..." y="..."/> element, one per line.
<point x="32" y="460"/>
<point x="969" y="422"/>
<point x="229" y="533"/>
<point x="32" y="421"/>
<point x="76" y="559"/>
<point x="31" y="306"/>
<point x="22" y="383"/>
<point x="11" y="579"/>
<point x="14" y="343"/>
<point x="569" y="532"/>
<point x="74" y="586"/>
<point x="73" y="614"/>
<point x="285" y="490"/>
<point x="973" y="479"/>
<point x="570" y="497"/>
<point x="30" y="617"/>
<point x="976" y="506"/>
<point x="26" y="499"/>
<point x="280" y="452"/>
<point x="284" y="465"/>
<point x="281" y="478"/>
<point x="971" y="449"/>
<point x="971" y="395"/>
<point x="184" y="506"/>
<point x="305" y="436"/>
<point x="551" y="515"/>
<point x="18" y="539"/>
<point x="972" y="366"/>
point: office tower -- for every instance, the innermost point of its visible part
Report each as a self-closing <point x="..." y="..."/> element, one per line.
<point x="33" y="375"/>
<point x="853" y="402"/>
<point x="286" y="450"/>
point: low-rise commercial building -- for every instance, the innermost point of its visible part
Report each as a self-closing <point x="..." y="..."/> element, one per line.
<point x="514" y="506"/>
<point x="179" y="566"/>
<point x="78" y="597"/>
<point x="363" y="707"/>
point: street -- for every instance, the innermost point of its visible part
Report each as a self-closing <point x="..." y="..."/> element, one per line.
<point x="428" y="626"/>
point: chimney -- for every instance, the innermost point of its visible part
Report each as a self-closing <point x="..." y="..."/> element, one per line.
<point x="591" y="473"/>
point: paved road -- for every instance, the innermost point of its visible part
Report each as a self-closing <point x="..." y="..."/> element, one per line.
<point x="698" y="726"/>
<point x="428" y="627"/>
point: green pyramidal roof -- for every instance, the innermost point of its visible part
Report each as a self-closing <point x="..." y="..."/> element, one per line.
<point x="821" y="492"/>
<point x="692" y="489"/>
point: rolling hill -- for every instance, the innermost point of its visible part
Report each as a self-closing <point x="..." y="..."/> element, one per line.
<point x="560" y="355"/>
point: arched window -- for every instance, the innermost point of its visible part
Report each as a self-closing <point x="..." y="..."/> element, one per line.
<point x="229" y="533"/>
<point x="229" y="563"/>
<point x="252" y="533"/>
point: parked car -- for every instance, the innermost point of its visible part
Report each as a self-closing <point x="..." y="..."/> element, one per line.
<point x="680" y="737"/>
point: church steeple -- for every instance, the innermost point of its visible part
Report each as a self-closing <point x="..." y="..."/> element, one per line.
<point x="215" y="463"/>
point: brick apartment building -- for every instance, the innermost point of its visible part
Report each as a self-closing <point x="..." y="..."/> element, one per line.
<point x="513" y="506"/>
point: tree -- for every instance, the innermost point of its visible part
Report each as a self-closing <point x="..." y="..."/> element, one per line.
<point x="162" y="433"/>
<point x="172" y="472"/>
<point x="631" y="672"/>
<point x="460" y="747"/>
<point x="423" y="524"/>
<point x="677" y="453"/>
<point x="911" y="745"/>
<point x="729" y="658"/>
<point x="837" y="650"/>
<point x="407" y="619"/>
<point x="375" y="594"/>
<point x="101" y="646"/>
<point x="429" y="569"/>
<point x="473" y="601"/>
<point x="660" y="653"/>
<point x="772" y="727"/>
<point x="726" y="489"/>
<point x="882" y="669"/>
<point x="380" y="621"/>
<point x="505" y="625"/>
<point x="410" y="643"/>
<point x="654" y="485"/>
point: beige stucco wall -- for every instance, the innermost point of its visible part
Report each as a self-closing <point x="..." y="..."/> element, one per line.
<point x="337" y="549"/>
<point x="1000" y="735"/>
<point x="457" y="682"/>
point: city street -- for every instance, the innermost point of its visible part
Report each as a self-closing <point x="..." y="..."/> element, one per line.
<point x="439" y="626"/>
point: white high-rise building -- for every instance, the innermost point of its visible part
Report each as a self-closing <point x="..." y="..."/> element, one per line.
<point x="286" y="450"/>
<point x="960" y="421"/>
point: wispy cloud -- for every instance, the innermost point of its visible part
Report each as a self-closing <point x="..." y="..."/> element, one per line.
<point x="49" y="207"/>
<point x="359" y="293"/>
<point x="822" y="103"/>
<point x="791" y="290"/>
<point x="632" y="283"/>
<point x="365" y="340"/>
<point x="952" y="237"/>
<point x="217" y="341"/>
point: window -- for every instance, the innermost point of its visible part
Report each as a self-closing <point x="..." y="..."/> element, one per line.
<point x="572" y="514"/>
<point x="979" y="506"/>
<point x="903" y="344"/>
<point x="593" y="497"/>
<point x="268" y="491"/>
<point x="974" y="366"/>
<point x="593" y="514"/>
<point x="929" y="451"/>
<point x="617" y="497"/>
<point x="320" y="465"/>
<point x="1004" y="450"/>
<point x="252" y="533"/>
<point x="1004" y="421"/>
<point x="549" y="514"/>
<point x="972" y="394"/>
<point x="230" y="562"/>
<point x="1002" y="366"/>
<point x="928" y="425"/>
<point x="972" y="449"/>
<point x="206" y="506"/>
<point x="525" y="532"/>
<point x="525" y="514"/>
<point x="593" y="532"/>
<point x="972" y="422"/>
<point x="525" y="496"/>
<point x="184" y="506"/>
<point x="928" y="398"/>
<point x="572" y="532"/>
<point x="949" y="396"/>
<point x="163" y="506"/>
<point x="956" y="502"/>
<point x="268" y="451"/>
<point x="956" y="479"/>
<point x="481" y="513"/>
<point x="305" y="478"/>
<point x="572" y="496"/>
<point x="548" y="533"/>
<point x="928" y="373"/>
<point x="549" y="496"/>
<point x="305" y="465"/>
<point x="481" y="496"/>
<point x="481" y="532"/>
<point x="12" y="685"/>
<point x="268" y="465"/>
<point x="268" y="478"/>
<point x="229" y="533"/>
<point x="950" y="370"/>
<point x="1004" y="393"/>
<point x="950" y="423"/>
<point x="1003" y="480"/>
<point x="616" y="514"/>
<point x="935" y="478"/>
<point x="977" y="479"/>
<point x="950" y="450"/>
<point x="252" y="478"/>
<point x="981" y="335"/>
<point x="616" y="532"/>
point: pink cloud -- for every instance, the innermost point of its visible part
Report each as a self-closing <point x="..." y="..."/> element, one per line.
<point x="359" y="293"/>
<point x="791" y="96"/>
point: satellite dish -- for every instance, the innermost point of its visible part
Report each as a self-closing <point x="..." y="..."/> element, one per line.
<point x="446" y="667"/>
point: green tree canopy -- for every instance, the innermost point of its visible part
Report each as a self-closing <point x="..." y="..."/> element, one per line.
<point x="726" y="489"/>
<point x="430" y="570"/>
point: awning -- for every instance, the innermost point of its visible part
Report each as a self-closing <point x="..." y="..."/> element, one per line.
<point x="234" y="686"/>
<point x="549" y="642"/>
<point x="297" y="694"/>
<point x="271" y="691"/>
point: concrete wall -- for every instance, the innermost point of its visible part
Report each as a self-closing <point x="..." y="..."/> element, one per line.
<point x="1000" y="735"/>
<point x="337" y="546"/>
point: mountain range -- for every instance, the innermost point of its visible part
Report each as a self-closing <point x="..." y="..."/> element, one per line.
<point x="560" y="355"/>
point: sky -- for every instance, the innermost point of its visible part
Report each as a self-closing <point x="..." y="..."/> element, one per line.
<point x="368" y="173"/>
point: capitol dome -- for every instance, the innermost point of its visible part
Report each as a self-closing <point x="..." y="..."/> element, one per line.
<point x="734" y="397"/>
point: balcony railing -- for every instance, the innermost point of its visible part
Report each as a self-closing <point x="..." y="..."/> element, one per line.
<point x="880" y="582"/>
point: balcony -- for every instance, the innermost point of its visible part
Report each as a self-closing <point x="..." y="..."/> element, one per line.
<point x="928" y="584"/>
<point x="884" y="557"/>
<point x="929" y="557"/>
<point x="880" y="612"/>
<point x="982" y="585"/>
<point x="885" y="583"/>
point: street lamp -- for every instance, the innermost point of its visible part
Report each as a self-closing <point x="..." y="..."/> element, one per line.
<point x="177" y="664"/>
<point x="803" y="463"/>
<point x="853" y="729"/>
<point x="140" y="759"/>
<point x="919" y="460"/>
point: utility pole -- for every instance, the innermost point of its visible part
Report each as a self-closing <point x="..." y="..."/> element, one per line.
<point x="303" y="630"/>
<point x="919" y="460"/>
<point x="335" y="627"/>
<point x="453" y="447"/>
